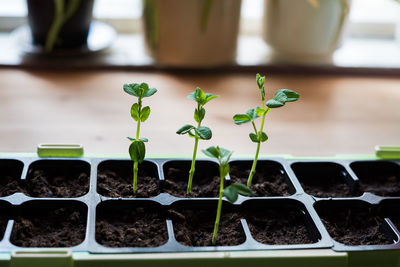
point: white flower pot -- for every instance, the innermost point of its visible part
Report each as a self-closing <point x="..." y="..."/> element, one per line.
<point x="298" y="29"/>
<point x="182" y="33"/>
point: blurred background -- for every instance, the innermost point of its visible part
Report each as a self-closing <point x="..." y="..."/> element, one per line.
<point x="367" y="38"/>
<point x="342" y="56"/>
<point x="368" y="18"/>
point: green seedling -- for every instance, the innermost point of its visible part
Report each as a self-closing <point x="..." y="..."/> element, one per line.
<point x="231" y="192"/>
<point x="258" y="136"/>
<point x="137" y="149"/>
<point x="199" y="132"/>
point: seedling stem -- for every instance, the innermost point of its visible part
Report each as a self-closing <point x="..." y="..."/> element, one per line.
<point x="199" y="132"/>
<point x="253" y="167"/>
<point x="137" y="149"/>
<point x="281" y="97"/>
<point x="231" y="192"/>
<point x="219" y="208"/>
<point x="136" y="163"/>
<point x="192" y="168"/>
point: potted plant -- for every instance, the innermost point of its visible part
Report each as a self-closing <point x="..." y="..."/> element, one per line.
<point x="59" y="24"/>
<point x="305" y="29"/>
<point x="191" y="33"/>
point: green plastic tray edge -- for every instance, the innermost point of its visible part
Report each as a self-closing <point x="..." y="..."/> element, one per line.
<point x="283" y="258"/>
<point x="186" y="156"/>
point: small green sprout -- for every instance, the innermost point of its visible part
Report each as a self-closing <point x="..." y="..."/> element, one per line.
<point x="199" y="132"/>
<point x="231" y="192"/>
<point x="137" y="149"/>
<point x="280" y="98"/>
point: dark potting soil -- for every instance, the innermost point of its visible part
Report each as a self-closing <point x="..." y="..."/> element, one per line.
<point x="42" y="183"/>
<point x="324" y="179"/>
<point x="194" y="227"/>
<point x="10" y="176"/>
<point x="131" y="227"/>
<point x="354" y="226"/>
<point x="9" y="185"/>
<point x="380" y="178"/>
<point x="268" y="180"/>
<point x="381" y="185"/>
<point x="62" y="227"/>
<point x="390" y="209"/>
<point x="278" y="226"/>
<point x="205" y="181"/>
<point x="328" y="189"/>
<point x="114" y="184"/>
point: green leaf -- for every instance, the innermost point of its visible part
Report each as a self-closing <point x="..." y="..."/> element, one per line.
<point x="253" y="137"/>
<point x="260" y="83"/>
<point x="210" y="97"/>
<point x="225" y="154"/>
<point x="132" y="89"/>
<point x="231" y="192"/>
<point x="212" y="152"/>
<point x="135" y="111"/>
<point x="203" y="132"/>
<point x="137" y="151"/>
<point x="143" y="139"/>
<point x="200" y="96"/>
<point x="291" y="96"/>
<point x="224" y="169"/>
<point x="280" y="96"/>
<point x="144" y="115"/>
<point x="260" y="111"/>
<point x="274" y="104"/>
<point x="260" y="80"/>
<point x="199" y="114"/>
<point x="241" y="119"/>
<point x="252" y="113"/>
<point x="150" y="92"/>
<point x="143" y="87"/>
<point x="242" y="189"/>
<point x="263" y="137"/>
<point x="185" y="129"/>
<point x="192" y="96"/>
<point x="139" y="90"/>
<point x="191" y="134"/>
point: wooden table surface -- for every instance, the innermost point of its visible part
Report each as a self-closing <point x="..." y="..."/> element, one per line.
<point x="335" y="114"/>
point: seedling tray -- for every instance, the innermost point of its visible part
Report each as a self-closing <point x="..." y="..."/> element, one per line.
<point x="306" y="207"/>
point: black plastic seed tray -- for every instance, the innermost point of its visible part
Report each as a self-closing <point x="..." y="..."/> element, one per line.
<point x="360" y="210"/>
<point x="302" y="204"/>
